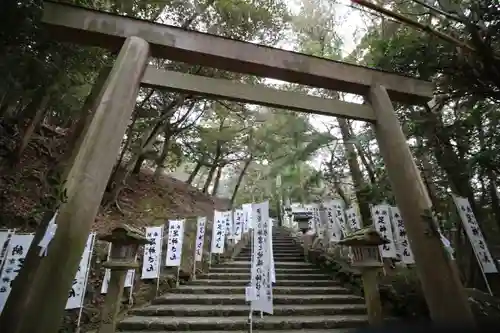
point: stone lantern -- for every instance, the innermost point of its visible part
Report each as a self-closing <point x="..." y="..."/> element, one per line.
<point x="125" y="241"/>
<point x="366" y="258"/>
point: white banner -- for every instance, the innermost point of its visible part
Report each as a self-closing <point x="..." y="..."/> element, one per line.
<point x="238" y="224"/>
<point x="129" y="278"/>
<point x="16" y="253"/>
<point x="401" y="237"/>
<point x="247" y="214"/>
<point x="273" y="271"/>
<point x="261" y="267"/>
<point x="77" y="292"/>
<point x="152" y="253"/>
<point x="382" y="221"/>
<point x="353" y="219"/>
<point x="333" y="229"/>
<point x="228" y="220"/>
<point x="218" y="233"/>
<point x="475" y="235"/>
<point x="200" y="237"/>
<point x="174" y="244"/>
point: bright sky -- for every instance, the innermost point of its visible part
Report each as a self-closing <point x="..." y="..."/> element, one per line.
<point x="351" y="32"/>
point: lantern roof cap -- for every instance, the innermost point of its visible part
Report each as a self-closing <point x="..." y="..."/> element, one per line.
<point x="364" y="237"/>
<point x="126" y="234"/>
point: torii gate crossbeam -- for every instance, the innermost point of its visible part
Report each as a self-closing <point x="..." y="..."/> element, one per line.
<point x="92" y="27"/>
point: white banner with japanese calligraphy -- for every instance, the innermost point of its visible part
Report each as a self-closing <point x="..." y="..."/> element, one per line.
<point x="247" y="216"/>
<point x="353" y="219"/>
<point x="174" y="244"/>
<point x="218" y="233"/>
<point x="238" y="224"/>
<point x="16" y="253"/>
<point x="77" y="292"/>
<point x="382" y="222"/>
<point x="475" y="235"/>
<point x="403" y="245"/>
<point x="129" y="278"/>
<point x="333" y="228"/>
<point x="200" y="237"/>
<point x="261" y="278"/>
<point x="228" y="222"/>
<point x="152" y="253"/>
<point x="5" y="237"/>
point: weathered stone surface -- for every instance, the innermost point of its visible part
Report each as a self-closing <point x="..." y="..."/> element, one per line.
<point x="280" y="283"/>
<point x="240" y="322"/>
<point x="336" y="330"/>
<point x="183" y="310"/>
<point x="277" y="290"/>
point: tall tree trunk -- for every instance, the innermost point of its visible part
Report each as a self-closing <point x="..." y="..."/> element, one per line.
<point x="138" y="165"/>
<point x="195" y="171"/>
<point x="217" y="181"/>
<point x="360" y="187"/>
<point x="30" y="128"/>
<point x="160" y="168"/>
<point x="365" y="158"/>
<point x="240" y="179"/>
<point x="210" y="177"/>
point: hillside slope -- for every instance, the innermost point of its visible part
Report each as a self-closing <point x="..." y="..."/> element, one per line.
<point x="25" y="189"/>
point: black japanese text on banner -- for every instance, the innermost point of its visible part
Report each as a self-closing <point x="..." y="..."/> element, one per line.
<point x="228" y="218"/>
<point x="175" y="241"/>
<point x="401" y="237"/>
<point x="238" y="224"/>
<point x="382" y="222"/>
<point x="247" y="213"/>
<point x="218" y="233"/>
<point x="5" y="237"/>
<point x="152" y="253"/>
<point x="333" y="228"/>
<point x="475" y="235"/>
<point x="77" y="292"/>
<point x="14" y="260"/>
<point x="261" y="266"/>
<point x="200" y="237"/>
<point x="353" y="219"/>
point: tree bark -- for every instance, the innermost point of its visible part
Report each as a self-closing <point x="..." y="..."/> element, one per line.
<point x="240" y="179"/>
<point x="195" y="171"/>
<point x="360" y="187"/>
<point x="160" y="168"/>
<point x="210" y="176"/>
<point x="217" y="181"/>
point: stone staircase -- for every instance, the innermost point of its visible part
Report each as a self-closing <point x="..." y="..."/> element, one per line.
<point x="304" y="299"/>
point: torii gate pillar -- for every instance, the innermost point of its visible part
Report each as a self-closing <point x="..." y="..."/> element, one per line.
<point x="443" y="289"/>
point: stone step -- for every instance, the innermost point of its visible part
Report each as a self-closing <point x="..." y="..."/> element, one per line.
<point x="337" y="330"/>
<point x="277" y="270"/>
<point x="279" y="251"/>
<point x="240" y="299"/>
<point x="277" y="290"/>
<point x="279" y="283"/>
<point x="240" y="322"/>
<point x="246" y="276"/>
<point x="277" y="264"/>
<point x="277" y="258"/>
<point x="242" y="310"/>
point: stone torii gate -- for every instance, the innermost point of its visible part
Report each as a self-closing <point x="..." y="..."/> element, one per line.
<point x="137" y="40"/>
